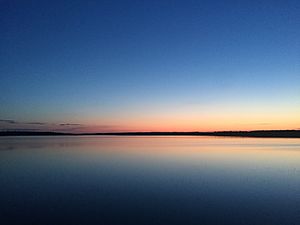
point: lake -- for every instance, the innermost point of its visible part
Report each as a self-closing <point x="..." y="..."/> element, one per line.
<point x="161" y="180"/>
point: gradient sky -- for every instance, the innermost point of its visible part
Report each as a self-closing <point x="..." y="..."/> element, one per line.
<point x="149" y="65"/>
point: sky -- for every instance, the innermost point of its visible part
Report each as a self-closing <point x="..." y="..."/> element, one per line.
<point x="108" y="66"/>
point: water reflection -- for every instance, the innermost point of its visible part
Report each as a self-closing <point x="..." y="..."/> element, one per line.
<point x="149" y="180"/>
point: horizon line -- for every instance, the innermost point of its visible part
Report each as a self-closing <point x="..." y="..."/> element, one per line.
<point x="251" y="133"/>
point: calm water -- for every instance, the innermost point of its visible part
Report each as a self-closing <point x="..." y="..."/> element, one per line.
<point x="149" y="180"/>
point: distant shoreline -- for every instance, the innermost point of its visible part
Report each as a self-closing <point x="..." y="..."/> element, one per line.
<point x="255" y="133"/>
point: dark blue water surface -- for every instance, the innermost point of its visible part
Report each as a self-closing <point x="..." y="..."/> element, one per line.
<point x="149" y="180"/>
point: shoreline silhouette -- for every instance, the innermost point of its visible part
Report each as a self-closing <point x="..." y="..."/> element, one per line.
<point x="254" y="133"/>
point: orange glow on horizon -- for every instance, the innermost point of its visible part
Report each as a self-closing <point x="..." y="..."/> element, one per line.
<point x="194" y="124"/>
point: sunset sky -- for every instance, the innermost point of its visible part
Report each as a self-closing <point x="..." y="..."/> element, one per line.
<point x="106" y="66"/>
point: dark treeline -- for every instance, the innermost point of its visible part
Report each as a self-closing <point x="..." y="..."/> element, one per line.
<point x="256" y="133"/>
<point x="31" y="133"/>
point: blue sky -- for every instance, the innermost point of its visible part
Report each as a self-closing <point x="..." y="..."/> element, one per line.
<point x="118" y="64"/>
